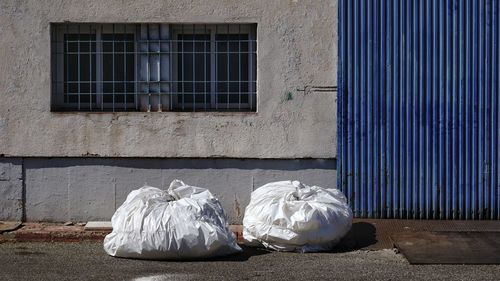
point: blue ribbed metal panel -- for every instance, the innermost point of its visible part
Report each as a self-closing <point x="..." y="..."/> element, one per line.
<point x="418" y="108"/>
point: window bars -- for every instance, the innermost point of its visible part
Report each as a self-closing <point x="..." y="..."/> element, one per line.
<point x="154" y="67"/>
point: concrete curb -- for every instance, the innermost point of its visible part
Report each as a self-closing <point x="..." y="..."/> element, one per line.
<point x="33" y="232"/>
<point x="52" y="232"/>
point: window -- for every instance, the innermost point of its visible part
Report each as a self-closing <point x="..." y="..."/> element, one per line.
<point x="154" y="67"/>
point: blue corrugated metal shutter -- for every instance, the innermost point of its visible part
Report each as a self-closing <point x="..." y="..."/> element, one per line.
<point x="418" y="108"/>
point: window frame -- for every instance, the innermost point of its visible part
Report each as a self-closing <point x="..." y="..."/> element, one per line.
<point x="96" y="103"/>
<point x="97" y="30"/>
<point x="212" y="29"/>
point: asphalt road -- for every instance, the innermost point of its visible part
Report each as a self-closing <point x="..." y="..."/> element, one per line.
<point x="87" y="261"/>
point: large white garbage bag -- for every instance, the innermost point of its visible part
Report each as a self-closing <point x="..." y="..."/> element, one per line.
<point x="181" y="222"/>
<point x="291" y="216"/>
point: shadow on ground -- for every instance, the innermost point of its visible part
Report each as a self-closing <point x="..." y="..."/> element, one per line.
<point x="247" y="253"/>
<point x="361" y="236"/>
<point x="239" y="257"/>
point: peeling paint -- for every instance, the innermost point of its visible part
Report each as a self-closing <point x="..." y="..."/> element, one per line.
<point x="287" y="96"/>
<point x="237" y="208"/>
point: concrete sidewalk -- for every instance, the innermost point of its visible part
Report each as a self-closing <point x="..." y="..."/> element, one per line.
<point x="366" y="234"/>
<point x="374" y="234"/>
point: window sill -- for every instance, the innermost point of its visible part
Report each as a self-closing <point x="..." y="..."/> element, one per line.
<point x="176" y="113"/>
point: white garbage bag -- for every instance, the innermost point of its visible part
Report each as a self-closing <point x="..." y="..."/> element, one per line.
<point x="291" y="216"/>
<point x="181" y="222"/>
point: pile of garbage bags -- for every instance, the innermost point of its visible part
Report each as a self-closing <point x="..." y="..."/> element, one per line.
<point x="291" y="216"/>
<point x="183" y="222"/>
<point x="188" y="222"/>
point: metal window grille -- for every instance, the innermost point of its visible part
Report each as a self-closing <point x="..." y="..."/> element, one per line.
<point x="154" y="67"/>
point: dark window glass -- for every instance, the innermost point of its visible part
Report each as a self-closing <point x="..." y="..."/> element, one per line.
<point x="79" y="68"/>
<point x="95" y="69"/>
<point x="193" y="70"/>
<point x="232" y="68"/>
<point x="118" y="67"/>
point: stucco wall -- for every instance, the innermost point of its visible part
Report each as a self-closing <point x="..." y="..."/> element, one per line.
<point x="296" y="47"/>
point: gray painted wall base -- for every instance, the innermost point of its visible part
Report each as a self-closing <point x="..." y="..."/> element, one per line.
<point x="11" y="189"/>
<point x="83" y="189"/>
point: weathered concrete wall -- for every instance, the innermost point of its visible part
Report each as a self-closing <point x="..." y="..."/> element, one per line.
<point x="11" y="189"/>
<point x="296" y="47"/>
<point x="82" y="189"/>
